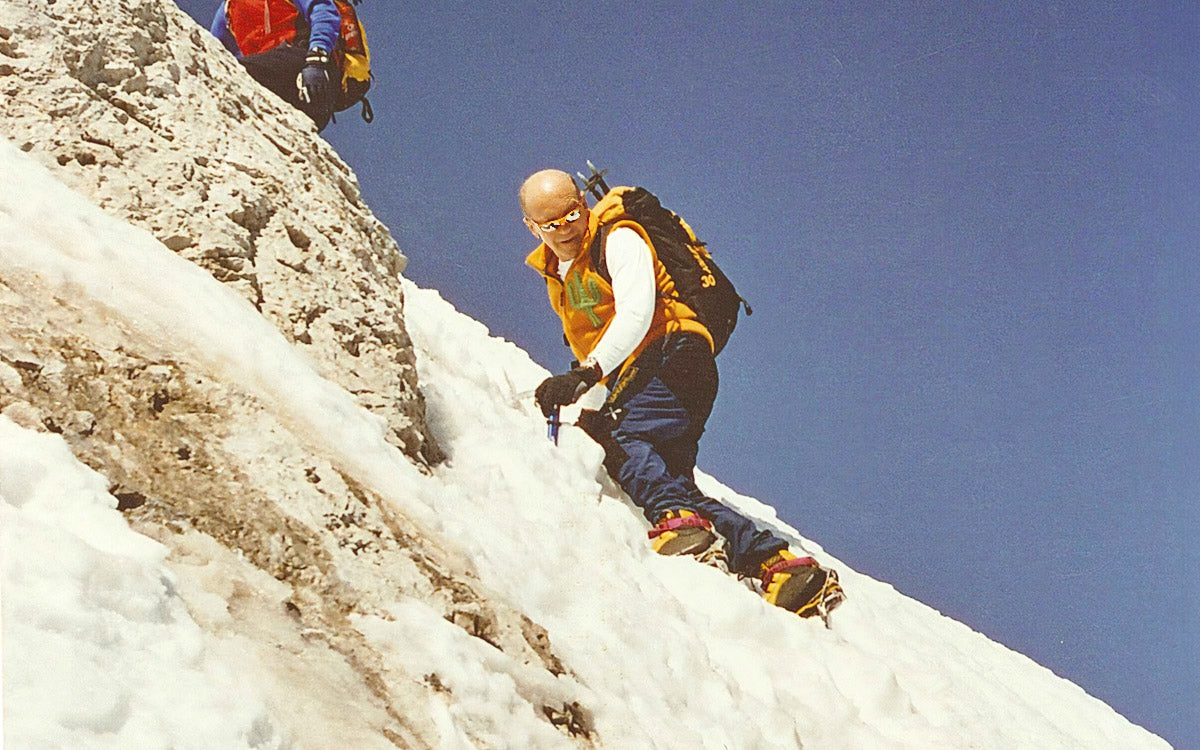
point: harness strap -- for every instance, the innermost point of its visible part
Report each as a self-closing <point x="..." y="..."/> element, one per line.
<point x="670" y="524"/>
<point x="783" y="565"/>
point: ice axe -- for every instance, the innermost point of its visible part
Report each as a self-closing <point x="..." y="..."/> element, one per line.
<point x="594" y="183"/>
<point x="553" y="422"/>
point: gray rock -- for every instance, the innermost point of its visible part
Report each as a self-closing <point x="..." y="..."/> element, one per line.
<point x="157" y="123"/>
<point x="132" y="104"/>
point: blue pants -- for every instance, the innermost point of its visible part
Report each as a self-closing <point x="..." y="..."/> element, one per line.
<point x="662" y="411"/>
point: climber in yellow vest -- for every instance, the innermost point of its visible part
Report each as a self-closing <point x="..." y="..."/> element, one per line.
<point x="629" y="330"/>
<point x="287" y="46"/>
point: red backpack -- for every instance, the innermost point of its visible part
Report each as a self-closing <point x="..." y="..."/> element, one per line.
<point x="264" y="25"/>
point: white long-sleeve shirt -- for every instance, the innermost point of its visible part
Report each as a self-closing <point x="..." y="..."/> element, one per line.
<point x="631" y="266"/>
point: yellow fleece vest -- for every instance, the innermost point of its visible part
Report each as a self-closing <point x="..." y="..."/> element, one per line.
<point x="584" y="299"/>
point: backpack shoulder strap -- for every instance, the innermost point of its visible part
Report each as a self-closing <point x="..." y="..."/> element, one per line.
<point x="611" y="209"/>
<point x="596" y="251"/>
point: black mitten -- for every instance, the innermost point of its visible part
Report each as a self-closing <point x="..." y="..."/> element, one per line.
<point x="315" y="82"/>
<point x="564" y="389"/>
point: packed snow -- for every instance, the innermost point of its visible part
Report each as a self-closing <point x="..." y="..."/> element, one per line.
<point x="100" y="651"/>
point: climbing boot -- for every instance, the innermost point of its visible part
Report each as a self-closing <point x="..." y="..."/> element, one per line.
<point x="682" y="532"/>
<point x="801" y="585"/>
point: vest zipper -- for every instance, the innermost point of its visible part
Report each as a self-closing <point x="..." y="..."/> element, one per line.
<point x="267" y="16"/>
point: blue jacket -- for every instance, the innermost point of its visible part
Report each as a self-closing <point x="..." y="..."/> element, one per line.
<point x="324" y="21"/>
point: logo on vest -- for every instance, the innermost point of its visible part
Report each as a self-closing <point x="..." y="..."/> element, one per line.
<point x="584" y="295"/>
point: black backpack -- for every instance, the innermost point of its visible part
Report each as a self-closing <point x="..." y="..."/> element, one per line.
<point x="699" y="282"/>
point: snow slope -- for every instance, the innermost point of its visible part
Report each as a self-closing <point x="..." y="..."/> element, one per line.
<point x="99" y="650"/>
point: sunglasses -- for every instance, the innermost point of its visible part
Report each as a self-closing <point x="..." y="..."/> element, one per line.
<point x="568" y="218"/>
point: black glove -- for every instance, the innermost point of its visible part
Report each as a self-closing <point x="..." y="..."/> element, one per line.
<point x="564" y="389"/>
<point x="315" y="83"/>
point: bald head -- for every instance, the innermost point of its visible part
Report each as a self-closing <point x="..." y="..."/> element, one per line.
<point x="549" y="186"/>
<point x="551" y="197"/>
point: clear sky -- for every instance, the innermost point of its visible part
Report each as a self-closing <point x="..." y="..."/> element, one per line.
<point x="969" y="233"/>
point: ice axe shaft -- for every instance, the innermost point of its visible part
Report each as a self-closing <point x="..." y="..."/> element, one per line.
<point x="594" y="182"/>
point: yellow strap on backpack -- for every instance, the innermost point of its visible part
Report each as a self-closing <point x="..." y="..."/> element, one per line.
<point x="354" y="56"/>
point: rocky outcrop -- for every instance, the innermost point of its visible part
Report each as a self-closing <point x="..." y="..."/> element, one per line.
<point x="134" y="105"/>
<point x="131" y="104"/>
<point x="171" y="440"/>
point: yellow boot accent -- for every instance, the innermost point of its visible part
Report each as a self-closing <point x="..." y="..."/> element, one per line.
<point x="772" y="586"/>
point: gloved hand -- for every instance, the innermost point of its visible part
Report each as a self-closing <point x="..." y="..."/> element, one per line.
<point x="316" y="85"/>
<point x="564" y="389"/>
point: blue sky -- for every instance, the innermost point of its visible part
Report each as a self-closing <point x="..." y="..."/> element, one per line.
<point x="969" y="234"/>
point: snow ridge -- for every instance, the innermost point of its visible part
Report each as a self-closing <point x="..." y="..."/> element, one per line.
<point x="100" y="648"/>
